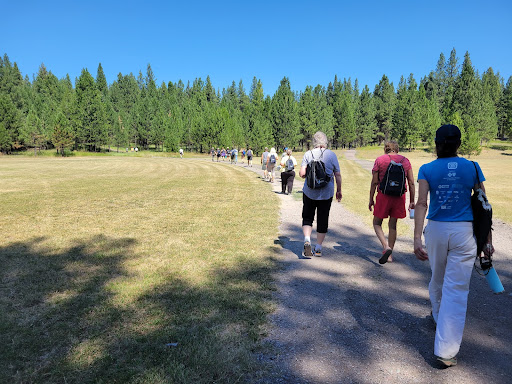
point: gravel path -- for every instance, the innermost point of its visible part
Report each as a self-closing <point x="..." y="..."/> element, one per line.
<point x="344" y="318"/>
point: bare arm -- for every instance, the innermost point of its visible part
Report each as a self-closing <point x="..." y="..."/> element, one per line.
<point x="339" y="195"/>
<point x="302" y="172"/>
<point x="412" y="188"/>
<point x="373" y="187"/>
<point x="419" y="220"/>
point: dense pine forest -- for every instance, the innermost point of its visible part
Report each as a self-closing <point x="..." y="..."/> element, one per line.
<point x="92" y="115"/>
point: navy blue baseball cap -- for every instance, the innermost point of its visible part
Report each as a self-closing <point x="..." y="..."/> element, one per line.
<point x="448" y="134"/>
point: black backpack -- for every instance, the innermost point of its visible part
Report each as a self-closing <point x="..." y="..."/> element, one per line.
<point x="393" y="182"/>
<point x="316" y="176"/>
<point x="289" y="164"/>
<point x="482" y="216"/>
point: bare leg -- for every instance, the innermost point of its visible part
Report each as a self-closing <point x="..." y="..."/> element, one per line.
<point x="386" y="249"/>
<point x="392" y="232"/>
<point x="307" y="229"/>
<point x="320" y="237"/>
<point x="377" y="226"/>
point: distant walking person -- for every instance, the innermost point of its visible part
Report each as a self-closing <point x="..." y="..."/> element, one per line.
<point x="249" y="157"/>
<point x="218" y="154"/>
<point x="318" y="197"/>
<point x="271" y="163"/>
<point x="234" y="156"/>
<point x="212" y="152"/>
<point x="288" y="164"/>
<point x="449" y="238"/>
<point x="181" y="153"/>
<point x="389" y="175"/>
<point x="264" y="157"/>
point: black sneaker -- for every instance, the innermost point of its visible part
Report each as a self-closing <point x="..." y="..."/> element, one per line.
<point x="307" y="249"/>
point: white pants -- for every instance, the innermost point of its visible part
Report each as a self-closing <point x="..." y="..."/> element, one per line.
<point x="451" y="251"/>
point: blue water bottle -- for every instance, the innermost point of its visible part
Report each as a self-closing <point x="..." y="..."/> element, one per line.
<point x="494" y="281"/>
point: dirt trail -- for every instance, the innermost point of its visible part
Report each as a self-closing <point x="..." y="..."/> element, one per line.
<point x="344" y="318"/>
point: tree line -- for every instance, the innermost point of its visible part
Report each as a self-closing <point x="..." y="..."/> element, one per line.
<point x="92" y="115"/>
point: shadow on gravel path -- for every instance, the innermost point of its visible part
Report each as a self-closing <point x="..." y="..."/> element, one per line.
<point x="344" y="318"/>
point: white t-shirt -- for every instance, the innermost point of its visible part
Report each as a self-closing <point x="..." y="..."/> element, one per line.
<point x="285" y="159"/>
<point x="331" y="166"/>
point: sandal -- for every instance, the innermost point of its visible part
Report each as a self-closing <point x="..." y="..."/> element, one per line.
<point x="448" y="362"/>
<point x="385" y="256"/>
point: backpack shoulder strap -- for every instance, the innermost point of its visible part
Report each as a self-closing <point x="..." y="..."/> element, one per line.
<point x="477" y="177"/>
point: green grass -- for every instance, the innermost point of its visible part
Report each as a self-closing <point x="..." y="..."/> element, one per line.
<point x="106" y="260"/>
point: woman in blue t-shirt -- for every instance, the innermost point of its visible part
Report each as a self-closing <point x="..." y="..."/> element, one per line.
<point x="451" y="246"/>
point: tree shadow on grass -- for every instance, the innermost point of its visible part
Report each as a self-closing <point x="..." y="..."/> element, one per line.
<point x="52" y="301"/>
<point x="63" y="317"/>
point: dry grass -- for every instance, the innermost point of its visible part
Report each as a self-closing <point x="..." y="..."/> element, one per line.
<point x="105" y="260"/>
<point x="496" y="165"/>
<point x="356" y="193"/>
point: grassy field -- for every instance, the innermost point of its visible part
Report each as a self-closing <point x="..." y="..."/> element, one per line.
<point x="132" y="270"/>
<point x="495" y="161"/>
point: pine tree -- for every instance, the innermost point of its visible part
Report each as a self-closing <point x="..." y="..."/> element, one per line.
<point x="32" y="133"/>
<point x="402" y="114"/>
<point x="366" y="123"/>
<point x="439" y="79"/>
<point x="243" y="99"/>
<point x="470" y="142"/>
<point x="285" y="127"/>
<point x="62" y="137"/>
<point x="505" y="110"/>
<point x="306" y="115"/>
<point x="345" y="114"/>
<point x="324" y="119"/>
<point x="384" y="96"/>
<point x="259" y="130"/>
<point x="211" y="97"/>
<point x="451" y="76"/>
<point x="101" y="82"/>
<point x="91" y="129"/>
<point x="475" y="106"/>
<point x="5" y="139"/>
<point x="12" y="123"/>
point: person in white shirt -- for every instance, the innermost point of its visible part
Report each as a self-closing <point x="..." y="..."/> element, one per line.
<point x="288" y="164"/>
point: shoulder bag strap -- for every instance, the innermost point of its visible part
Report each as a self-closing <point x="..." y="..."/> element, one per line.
<point x="477" y="177"/>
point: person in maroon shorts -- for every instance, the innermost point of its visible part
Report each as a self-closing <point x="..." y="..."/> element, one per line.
<point x="389" y="206"/>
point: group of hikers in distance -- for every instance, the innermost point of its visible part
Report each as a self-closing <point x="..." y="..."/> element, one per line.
<point x="451" y="247"/>
<point x="231" y="155"/>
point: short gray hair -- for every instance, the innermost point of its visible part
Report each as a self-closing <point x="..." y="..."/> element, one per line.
<point x="320" y="140"/>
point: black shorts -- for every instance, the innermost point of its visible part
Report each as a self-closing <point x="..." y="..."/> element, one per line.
<point x="322" y="207"/>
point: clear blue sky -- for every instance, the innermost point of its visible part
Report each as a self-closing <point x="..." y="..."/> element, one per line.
<point x="307" y="41"/>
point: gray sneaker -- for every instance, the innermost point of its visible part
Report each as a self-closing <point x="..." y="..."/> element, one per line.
<point x="307" y="249"/>
<point x="318" y="252"/>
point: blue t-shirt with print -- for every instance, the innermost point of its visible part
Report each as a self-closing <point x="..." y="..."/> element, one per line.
<point x="450" y="181"/>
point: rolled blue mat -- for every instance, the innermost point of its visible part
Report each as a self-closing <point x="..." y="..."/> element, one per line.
<point x="494" y="281"/>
